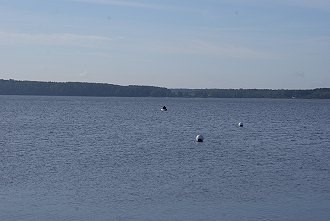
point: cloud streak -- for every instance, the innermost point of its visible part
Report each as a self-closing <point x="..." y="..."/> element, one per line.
<point x="207" y="48"/>
<point x="66" y="39"/>
<point x="124" y="3"/>
<point x="317" y="4"/>
<point x="313" y="4"/>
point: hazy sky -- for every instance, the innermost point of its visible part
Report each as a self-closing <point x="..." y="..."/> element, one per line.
<point x="171" y="43"/>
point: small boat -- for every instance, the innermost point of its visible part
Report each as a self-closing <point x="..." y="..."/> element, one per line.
<point x="163" y="109"/>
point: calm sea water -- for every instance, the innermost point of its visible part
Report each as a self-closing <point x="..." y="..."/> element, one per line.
<point x="77" y="158"/>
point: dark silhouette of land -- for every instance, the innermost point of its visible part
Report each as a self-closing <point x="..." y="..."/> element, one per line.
<point x="15" y="87"/>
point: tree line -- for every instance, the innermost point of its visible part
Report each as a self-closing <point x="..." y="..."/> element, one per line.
<point x="15" y="87"/>
<point x="319" y="93"/>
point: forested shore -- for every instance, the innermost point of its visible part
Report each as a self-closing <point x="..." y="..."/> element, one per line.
<point x="16" y="87"/>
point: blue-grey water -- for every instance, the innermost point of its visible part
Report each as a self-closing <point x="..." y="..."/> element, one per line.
<point x="122" y="159"/>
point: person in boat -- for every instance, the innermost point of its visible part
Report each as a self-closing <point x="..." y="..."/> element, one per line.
<point x="164" y="108"/>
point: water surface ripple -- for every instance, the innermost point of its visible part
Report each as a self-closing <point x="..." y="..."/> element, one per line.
<point x="78" y="158"/>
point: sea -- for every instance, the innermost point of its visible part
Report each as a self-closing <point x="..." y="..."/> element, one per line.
<point x="123" y="159"/>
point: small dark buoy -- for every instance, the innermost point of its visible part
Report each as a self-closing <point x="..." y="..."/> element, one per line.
<point x="199" y="138"/>
<point x="240" y="124"/>
<point x="164" y="108"/>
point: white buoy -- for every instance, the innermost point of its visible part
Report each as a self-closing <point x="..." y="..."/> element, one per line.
<point x="240" y="124"/>
<point x="199" y="138"/>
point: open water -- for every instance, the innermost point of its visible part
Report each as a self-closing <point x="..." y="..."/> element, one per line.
<point x="122" y="159"/>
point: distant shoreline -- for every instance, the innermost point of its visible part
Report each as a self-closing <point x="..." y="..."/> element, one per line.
<point x="17" y="87"/>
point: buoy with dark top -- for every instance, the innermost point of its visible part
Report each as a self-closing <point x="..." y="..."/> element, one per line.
<point x="240" y="124"/>
<point x="199" y="138"/>
<point x="164" y="109"/>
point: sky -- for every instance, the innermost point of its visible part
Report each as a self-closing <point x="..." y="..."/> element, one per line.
<point x="276" y="44"/>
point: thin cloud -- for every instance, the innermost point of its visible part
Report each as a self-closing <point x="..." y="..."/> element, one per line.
<point x="51" y="39"/>
<point x="227" y="51"/>
<point x="317" y="4"/>
<point x="201" y="47"/>
<point x="124" y="3"/>
<point x="313" y="4"/>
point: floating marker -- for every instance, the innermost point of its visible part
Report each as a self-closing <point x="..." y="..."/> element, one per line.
<point x="164" y="109"/>
<point x="240" y="124"/>
<point x="199" y="138"/>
